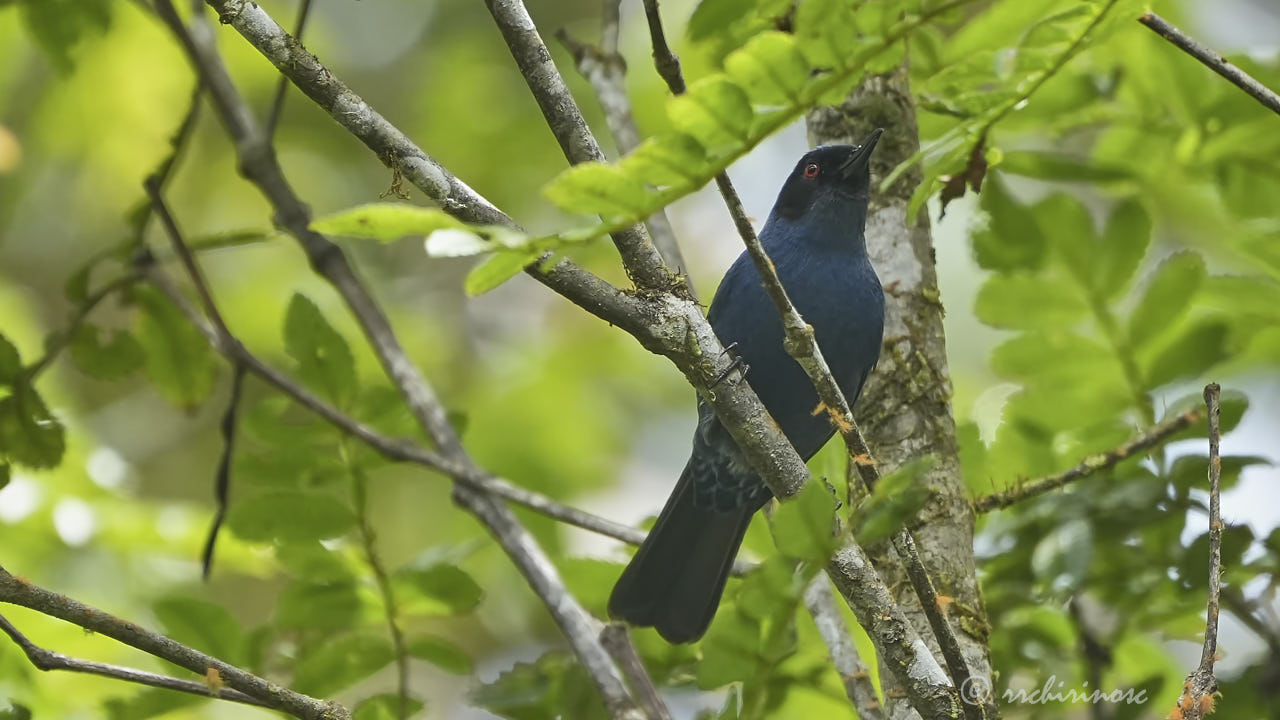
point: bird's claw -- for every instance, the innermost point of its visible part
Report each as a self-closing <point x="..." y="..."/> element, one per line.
<point x="735" y="365"/>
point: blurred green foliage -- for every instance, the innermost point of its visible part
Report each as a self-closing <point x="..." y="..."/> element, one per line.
<point x="1125" y="240"/>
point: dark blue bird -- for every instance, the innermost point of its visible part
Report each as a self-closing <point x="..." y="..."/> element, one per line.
<point x="815" y="237"/>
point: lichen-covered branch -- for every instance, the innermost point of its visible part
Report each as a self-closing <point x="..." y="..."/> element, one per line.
<point x="1091" y="465"/>
<point x="16" y="591"/>
<point x="854" y="674"/>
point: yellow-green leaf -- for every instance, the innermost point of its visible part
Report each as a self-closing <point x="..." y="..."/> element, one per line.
<point x="385" y="222"/>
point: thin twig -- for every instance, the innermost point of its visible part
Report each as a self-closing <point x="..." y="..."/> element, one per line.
<point x="369" y="541"/>
<point x="222" y="478"/>
<point x="1200" y="686"/>
<point x="801" y="345"/>
<point x="17" y="591"/>
<point x="1213" y="61"/>
<point x="560" y="110"/>
<point x="854" y="674"/>
<point x="1092" y="464"/>
<point x="60" y="340"/>
<point x="282" y="85"/>
<point x="617" y="641"/>
<point x="47" y="660"/>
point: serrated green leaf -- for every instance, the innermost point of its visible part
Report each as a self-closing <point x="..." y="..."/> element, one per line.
<point x="10" y="362"/>
<point x="675" y="159"/>
<point x="541" y="691"/>
<point x="386" y="707"/>
<point x="1124" y="243"/>
<point x="341" y="663"/>
<point x="442" y="653"/>
<point x="202" y="625"/>
<point x="804" y="526"/>
<point x="1024" y="302"/>
<point x="598" y="189"/>
<point x="179" y="360"/>
<point x="1066" y="225"/>
<point x="1188" y="354"/>
<point x="311" y="561"/>
<point x="1167" y="297"/>
<point x="115" y="359"/>
<point x="1012" y="239"/>
<point x="770" y="67"/>
<point x="290" y="516"/>
<point x="318" y="606"/>
<point x="715" y="111"/>
<point x="497" y="269"/>
<point x="29" y="434"/>
<point x="896" y="498"/>
<point x="325" y="362"/>
<point x="385" y="222"/>
<point x="437" y="590"/>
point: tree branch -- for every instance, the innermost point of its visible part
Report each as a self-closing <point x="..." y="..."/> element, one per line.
<point x="259" y="165"/>
<point x="1212" y="60"/>
<point x="47" y="660"/>
<point x="639" y="257"/>
<point x="854" y="674"/>
<point x="617" y="641"/>
<point x="1091" y="464"/>
<point x="282" y="85"/>
<point x="1196" y="700"/>
<point x="16" y="591"/>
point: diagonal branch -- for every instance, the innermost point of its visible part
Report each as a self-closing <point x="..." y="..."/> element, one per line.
<point x="1091" y="464"/>
<point x="47" y="660"/>
<point x="561" y="112"/>
<point x="1212" y="60"/>
<point x="854" y="674"/>
<point x="16" y="591"/>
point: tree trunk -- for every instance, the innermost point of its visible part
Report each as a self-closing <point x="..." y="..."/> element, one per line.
<point x="905" y="409"/>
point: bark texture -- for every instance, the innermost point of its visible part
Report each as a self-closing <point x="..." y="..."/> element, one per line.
<point x="905" y="409"/>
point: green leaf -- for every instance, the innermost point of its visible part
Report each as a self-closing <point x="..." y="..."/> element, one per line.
<point x="386" y="222"/>
<point x="442" y="653"/>
<point x="385" y="707"/>
<point x="497" y="269"/>
<point x="1232" y="408"/>
<point x="676" y="159"/>
<point x="1067" y="226"/>
<point x="542" y="691"/>
<point x="1026" y="302"/>
<point x="290" y="516"/>
<point x="827" y="30"/>
<point x="29" y="434"/>
<point x="1243" y="296"/>
<point x="59" y="26"/>
<point x="324" y="359"/>
<point x="309" y="560"/>
<point x="202" y="625"/>
<point x="730" y="651"/>
<point x="1063" y="555"/>
<point x="6" y="473"/>
<point x="10" y="362"/>
<point x="437" y="590"/>
<point x="342" y="663"/>
<point x="318" y="606"/>
<point x="115" y="359"/>
<point x="1054" y="357"/>
<point x="1012" y="239"/>
<point x="804" y="526"/>
<point x="1124" y="243"/>
<point x="590" y="580"/>
<point x="148" y="703"/>
<point x="179" y="360"/>
<point x="76" y="287"/>
<point x="1187" y="355"/>
<point x="1060" y="167"/>
<point x="896" y="498"/>
<point x="1167" y="297"/>
<point x="598" y="189"/>
<point x="770" y="67"/>
<point x="715" y="111"/>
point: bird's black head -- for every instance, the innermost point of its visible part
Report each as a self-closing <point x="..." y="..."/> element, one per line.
<point x="829" y="176"/>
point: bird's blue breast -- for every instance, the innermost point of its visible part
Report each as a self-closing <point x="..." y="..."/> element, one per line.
<point x="831" y="282"/>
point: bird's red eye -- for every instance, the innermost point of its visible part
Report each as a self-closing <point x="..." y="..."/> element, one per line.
<point x="811" y="170"/>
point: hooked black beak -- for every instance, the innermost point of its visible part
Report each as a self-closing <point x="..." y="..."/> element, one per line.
<point x="861" y="156"/>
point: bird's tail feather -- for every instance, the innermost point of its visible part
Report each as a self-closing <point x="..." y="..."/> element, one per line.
<point x="675" y="580"/>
